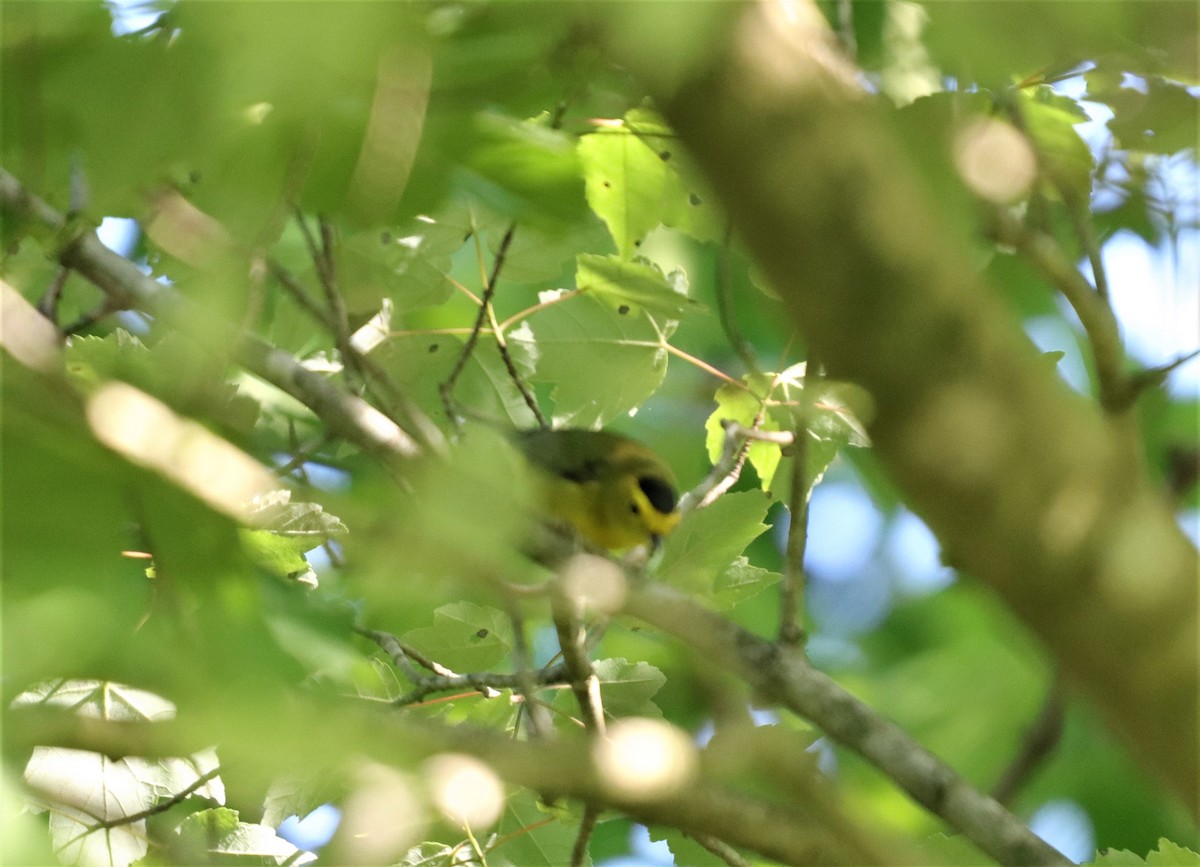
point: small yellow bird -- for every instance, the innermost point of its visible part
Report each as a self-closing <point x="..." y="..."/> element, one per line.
<point x="613" y="490"/>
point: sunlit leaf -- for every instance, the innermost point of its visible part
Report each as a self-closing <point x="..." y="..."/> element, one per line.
<point x="219" y="834"/>
<point x="1065" y="155"/>
<point x="630" y="286"/>
<point x="601" y="362"/>
<point x="709" y="540"/>
<point x="633" y="186"/>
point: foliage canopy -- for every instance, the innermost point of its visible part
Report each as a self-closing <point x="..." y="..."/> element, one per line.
<point x="266" y="547"/>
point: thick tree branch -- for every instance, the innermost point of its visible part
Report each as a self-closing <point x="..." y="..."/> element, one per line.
<point x="1025" y="484"/>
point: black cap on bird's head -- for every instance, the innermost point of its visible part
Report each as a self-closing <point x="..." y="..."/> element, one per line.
<point x="659" y="492"/>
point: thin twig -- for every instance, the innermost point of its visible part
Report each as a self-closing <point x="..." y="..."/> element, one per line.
<point x="161" y="806"/>
<point x="447" y="388"/>
<point x="335" y="317"/>
<point x="1077" y="209"/>
<point x="513" y="373"/>
<point x="541" y="305"/>
<point x="445" y="680"/>
<point x="587" y="825"/>
<point x="728" y="468"/>
<point x="1085" y="230"/>
<point x="791" y="601"/>
<point x="572" y="640"/>
<point x="539" y="723"/>
<point x="1094" y="314"/>
<point x="393" y="403"/>
<point x="300" y="295"/>
<point x="301" y="455"/>
<point x="782" y="675"/>
<point x="1152" y="377"/>
<point x="704" y="365"/>
<point x="48" y="305"/>
<point x="722" y="850"/>
<point x="105" y="308"/>
<point x="1039" y="741"/>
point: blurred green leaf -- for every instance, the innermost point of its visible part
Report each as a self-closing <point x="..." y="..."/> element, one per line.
<point x="628" y="687"/>
<point x="1168" y="854"/>
<point x="93" y="799"/>
<point x="1050" y="120"/>
<point x="529" y="834"/>
<point x="1159" y="121"/>
<point x="219" y="834"/>
<point x="526" y="169"/>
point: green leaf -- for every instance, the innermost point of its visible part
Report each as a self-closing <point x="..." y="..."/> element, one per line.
<point x="601" y="362"/>
<point x="218" y="834"/>
<point x="1168" y="854"/>
<point x="708" y="540"/>
<point x="525" y="168"/>
<point x="85" y="789"/>
<point x="742" y="405"/>
<point x="1162" y="121"/>
<point x="1065" y="155"/>
<point x="428" y="854"/>
<point x="627" y="687"/>
<point x="465" y="637"/>
<point x="630" y="286"/>
<point x="1171" y="854"/>
<point x="277" y="556"/>
<point x="833" y="422"/>
<point x="420" y="363"/>
<point x="632" y="184"/>
<point x="1118" y="858"/>
<point x="179" y="371"/>
<point x="740" y="580"/>
<point x="526" y="838"/>
<point x="407" y="266"/>
<point x="301" y="526"/>
<point x="297" y="796"/>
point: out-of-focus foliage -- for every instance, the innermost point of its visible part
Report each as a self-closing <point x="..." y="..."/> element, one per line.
<point x="447" y="146"/>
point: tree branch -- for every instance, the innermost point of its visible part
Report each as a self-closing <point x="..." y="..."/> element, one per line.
<point x="80" y="250"/>
<point x="1023" y="482"/>
<point x="1096" y="317"/>
<point x="444" y="680"/>
<point x="781" y="674"/>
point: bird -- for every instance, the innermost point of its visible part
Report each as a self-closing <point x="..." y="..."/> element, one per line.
<point x="614" y="491"/>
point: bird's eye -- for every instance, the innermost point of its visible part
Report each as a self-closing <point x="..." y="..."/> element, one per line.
<point x="633" y="507"/>
<point x="660" y="494"/>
